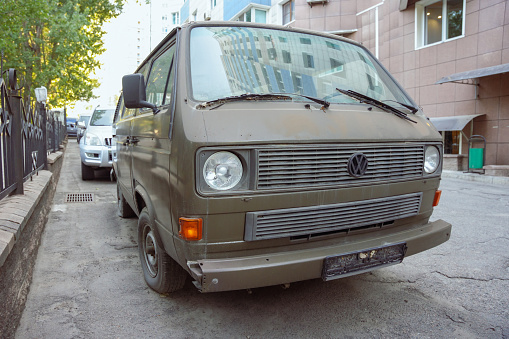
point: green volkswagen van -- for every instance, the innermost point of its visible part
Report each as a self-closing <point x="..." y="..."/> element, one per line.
<point x="257" y="155"/>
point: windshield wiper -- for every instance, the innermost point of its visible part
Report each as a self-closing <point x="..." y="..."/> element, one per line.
<point x="365" y="99"/>
<point x="410" y="108"/>
<point x="245" y="96"/>
<point x="322" y="102"/>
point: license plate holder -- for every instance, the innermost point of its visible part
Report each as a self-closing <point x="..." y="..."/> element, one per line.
<point x="344" y="265"/>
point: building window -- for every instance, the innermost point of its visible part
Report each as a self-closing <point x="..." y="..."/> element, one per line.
<point x="212" y="4"/>
<point x="288" y="12"/>
<point x="308" y="60"/>
<point x="287" y="58"/>
<point x="175" y="18"/>
<point x="438" y="21"/>
<point x="165" y="29"/>
<point x="253" y="15"/>
<point x="452" y="140"/>
<point x="164" y="18"/>
<point x="305" y="41"/>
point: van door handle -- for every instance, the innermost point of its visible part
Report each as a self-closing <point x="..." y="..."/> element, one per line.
<point x="134" y="140"/>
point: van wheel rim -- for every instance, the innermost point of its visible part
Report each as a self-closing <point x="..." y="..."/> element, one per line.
<point x="150" y="251"/>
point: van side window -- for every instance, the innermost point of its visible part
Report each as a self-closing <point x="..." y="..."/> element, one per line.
<point x="119" y="112"/>
<point x="158" y="78"/>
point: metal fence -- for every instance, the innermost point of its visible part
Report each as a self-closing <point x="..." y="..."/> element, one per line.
<point x="27" y="135"/>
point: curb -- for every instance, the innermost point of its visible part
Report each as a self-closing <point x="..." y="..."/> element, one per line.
<point x="16" y="210"/>
<point x="488" y="179"/>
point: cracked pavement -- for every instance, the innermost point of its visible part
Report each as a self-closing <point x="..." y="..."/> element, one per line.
<point x="88" y="281"/>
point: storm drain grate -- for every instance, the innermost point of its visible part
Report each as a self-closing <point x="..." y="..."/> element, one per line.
<point x="79" y="197"/>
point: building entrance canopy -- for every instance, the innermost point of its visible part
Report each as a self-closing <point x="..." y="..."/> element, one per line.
<point x="476" y="73"/>
<point x="455" y="123"/>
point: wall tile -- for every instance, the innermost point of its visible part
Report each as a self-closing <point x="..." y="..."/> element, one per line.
<point x="348" y="22"/>
<point x="505" y="40"/>
<point x="489" y="59"/>
<point x="490" y="41"/>
<point x="488" y="129"/>
<point x="464" y="92"/>
<point x="428" y="56"/>
<point x="408" y="43"/>
<point x="409" y="79"/>
<point x="505" y="56"/>
<point x="465" y="107"/>
<point x="504" y="108"/>
<point x="333" y="9"/>
<point x="428" y="94"/>
<point x="488" y="3"/>
<point x="467" y="46"/>
<point x="491" y="153"/>
<point x="397" y="46"/>
<point x="409" y="29"/>
<point x="429" y="110"/>
<point x="446" y="69"/>
<point x="317" y="24"/>
<point x="396" y="63"/>
<point x="446" y="92"/>
<point x="503" y="131"/>
<point x="490" y="107"/>
<point x="317" y="11"/>
<point x="348" y="6"/>
<point x="503" y="154"/>
<point x="489" y="87"/>
<point x="491" y="17"/>
<point x="428" y="75"/>
<point x="472" y="24"/>
<point x="445" y="109"/>
<point x="301" y="12"/>
<point x="467" y="64"/>
<point x="332" y="23"/>
<point x="446" y="51"/>
<point x="472" y="6"/>
<point x="409" y="60"/>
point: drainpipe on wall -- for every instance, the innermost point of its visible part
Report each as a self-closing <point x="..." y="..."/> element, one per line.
<point x="375" y="7"/>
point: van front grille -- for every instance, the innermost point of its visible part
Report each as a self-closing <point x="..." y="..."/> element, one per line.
<point x="295" y="222"/>
<point x="316" y="166"/>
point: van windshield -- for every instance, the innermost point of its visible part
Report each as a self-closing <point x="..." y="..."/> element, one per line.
<point x="102" y="117"/>
<point x="230" y="61"/>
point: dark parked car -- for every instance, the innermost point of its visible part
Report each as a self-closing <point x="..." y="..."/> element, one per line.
<point x="71" y="127"/>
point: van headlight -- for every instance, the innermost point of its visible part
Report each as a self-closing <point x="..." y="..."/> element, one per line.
<point x="222" y="171"/>
<point x="431" y="159"/>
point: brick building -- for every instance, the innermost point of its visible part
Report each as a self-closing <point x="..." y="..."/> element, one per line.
<point x="450" y="55"/>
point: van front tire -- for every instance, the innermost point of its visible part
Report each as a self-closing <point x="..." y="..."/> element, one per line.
<point x="161" y="272"/>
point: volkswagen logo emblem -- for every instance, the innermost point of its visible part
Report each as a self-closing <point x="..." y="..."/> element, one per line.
<point x="357" y="165"/>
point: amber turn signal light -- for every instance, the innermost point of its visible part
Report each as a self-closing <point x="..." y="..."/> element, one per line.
<point x="190" y="228"/>
<point x="436" y="200"/>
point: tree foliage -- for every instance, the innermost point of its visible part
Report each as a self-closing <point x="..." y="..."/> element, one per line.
<point x="55" y="43"/>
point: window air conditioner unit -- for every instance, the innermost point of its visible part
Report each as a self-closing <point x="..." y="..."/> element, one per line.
<point x="312" y="2"/>
<point x="206" y="16"/>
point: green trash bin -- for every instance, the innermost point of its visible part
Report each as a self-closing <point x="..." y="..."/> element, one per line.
<point x="475" y="158"/>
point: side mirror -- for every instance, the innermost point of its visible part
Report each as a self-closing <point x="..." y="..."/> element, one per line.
<point x="81" y="125"/>
<point x="134" y="93"/>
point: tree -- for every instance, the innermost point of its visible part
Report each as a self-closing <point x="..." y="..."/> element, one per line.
<point x="54" y="43"/>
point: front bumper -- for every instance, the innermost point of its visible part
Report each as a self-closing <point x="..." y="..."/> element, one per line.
<point x="214" y="275"/>
<point x="96" y="156"/>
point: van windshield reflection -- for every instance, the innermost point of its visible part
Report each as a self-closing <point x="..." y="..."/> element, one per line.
<point x="230" y="61"/>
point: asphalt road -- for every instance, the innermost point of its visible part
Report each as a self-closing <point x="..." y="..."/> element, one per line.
<point x="88" y="281"/>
